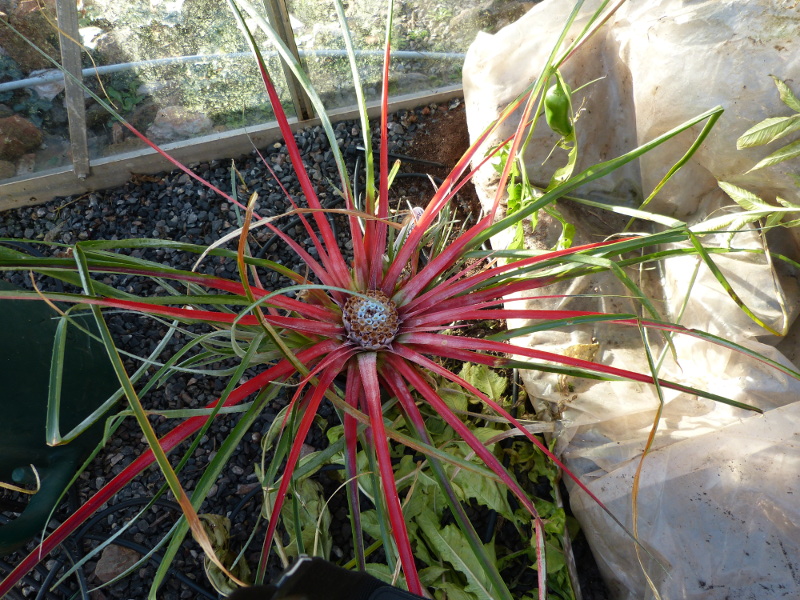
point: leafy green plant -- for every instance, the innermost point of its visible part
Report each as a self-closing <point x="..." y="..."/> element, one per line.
<point x="442" y="13"/>
<point x="774" y="128"/>
<point x="449" y="566"/>
<point x="124" y="99"/>
<point x="380" y="323"/>
<point x="767" y="131"/>
<point x="417" y="34"/>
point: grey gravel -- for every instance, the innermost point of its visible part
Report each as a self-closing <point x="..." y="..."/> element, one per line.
<point x="174" y="206"/>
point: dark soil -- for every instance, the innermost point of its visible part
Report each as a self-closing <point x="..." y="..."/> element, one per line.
<point x="443" y="138"/>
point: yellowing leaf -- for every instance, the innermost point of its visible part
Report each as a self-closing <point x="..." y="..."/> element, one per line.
<point x="787" y="96"/>
<point x="787" y="152"/>
<point x="744" y="198"/>
<point x="217" y="528"/>
<point x="485" y="379"/>
<point x="768" y="131"/>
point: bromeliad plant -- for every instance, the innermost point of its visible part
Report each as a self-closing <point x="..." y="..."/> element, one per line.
<point x="365" y="333"/>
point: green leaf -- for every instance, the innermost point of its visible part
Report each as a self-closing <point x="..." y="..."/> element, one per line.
<point x="562" y="174"/>
<point x="768" y="131"/>
<point x="787" y="96"/>
<point x="451" y="545"/>
<point x="518" y="243"/>
<point x="744" y="198"/>
<point x="773" y="220"/>
<point x="786" y="203"/>
<point x="369" y="521"/>
<point x="600" y="170"/>
<point x="555" y="558"/>
<point x="432" y="576"/>
<point x="567" y="235"/>
<point x="733" y="222"/>
<point x="486" y="492"/>
<point x="514" y="201"/>
<point x="382" y="572"/>
<point x="787" y="152"/>
<point x="454" y="397"/>
<point x="485" y="379"/>
<point x="452" y="591"/>
<point x="720" y="277"/>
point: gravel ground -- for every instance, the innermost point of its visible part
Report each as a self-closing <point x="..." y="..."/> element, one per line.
<point x="173" y="206"/>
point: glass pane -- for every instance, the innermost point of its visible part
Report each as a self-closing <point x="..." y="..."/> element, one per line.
<point x="429" y="40"/>
<point x="177" y="69"/>
<point x="33" y="120"/>
<point x="174" y="69"/>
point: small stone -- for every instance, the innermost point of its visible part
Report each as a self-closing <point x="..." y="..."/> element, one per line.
<point x="7" y="169"/>
<point x="114" y="561"/>
<point x="26" y="164"/>
<point x="245" y="488"/>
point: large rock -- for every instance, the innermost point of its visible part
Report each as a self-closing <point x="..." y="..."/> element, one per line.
<point x="17" y="137"/>
<point x="28" y="17"/>
<point x="174" y="123"/>
<point x="717" y="506"/>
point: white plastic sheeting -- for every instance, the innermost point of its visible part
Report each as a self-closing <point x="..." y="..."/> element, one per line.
<point x="719" y="500"/>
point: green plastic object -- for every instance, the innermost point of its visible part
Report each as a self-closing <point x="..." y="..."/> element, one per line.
<point x="27" y="333"/>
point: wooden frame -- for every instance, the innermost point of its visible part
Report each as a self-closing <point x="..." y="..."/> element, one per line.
<point x="116" y="170"/>
<point x="85" y="175"/>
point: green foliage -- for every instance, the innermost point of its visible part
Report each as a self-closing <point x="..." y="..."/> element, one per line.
<point x="487" y="380"/>
<point x="413" y="464"/>
<point x="125" y="98"/>
<point x="774" y="128"/>
<point x="451" y="567"/>
<point x="522" y="194"/>
<point x="417" y="34"/>
<point x="442" y="13"/>
<point x="306" y="517"/>
<point x="755" y="209"/>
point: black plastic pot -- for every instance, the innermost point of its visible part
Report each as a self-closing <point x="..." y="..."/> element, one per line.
<point x="27" y="332"/>
<point x="317" y="579"/>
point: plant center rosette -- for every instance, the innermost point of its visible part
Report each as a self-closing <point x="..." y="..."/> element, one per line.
<point x="372" y="322"/>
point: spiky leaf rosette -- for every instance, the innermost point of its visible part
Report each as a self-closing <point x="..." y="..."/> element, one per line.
<point x="380" y="321"/>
